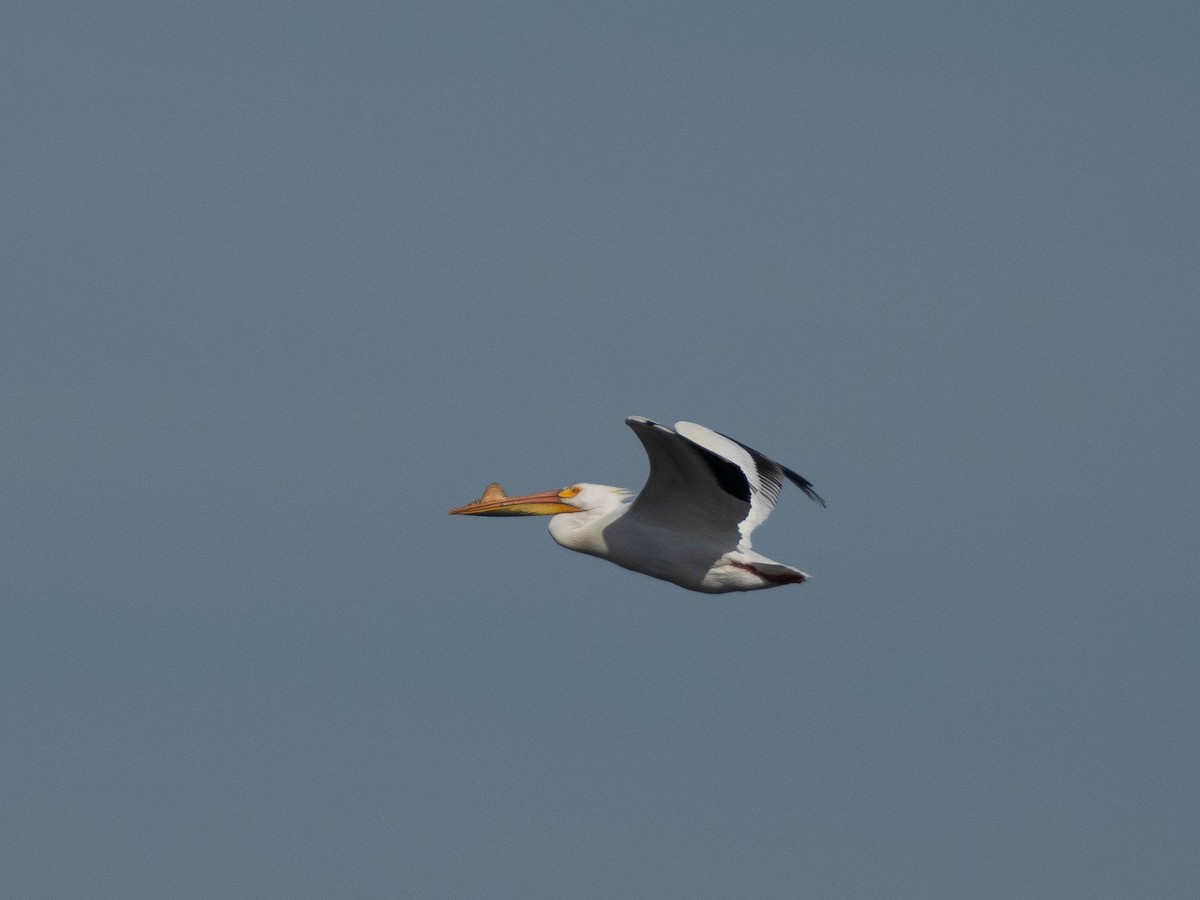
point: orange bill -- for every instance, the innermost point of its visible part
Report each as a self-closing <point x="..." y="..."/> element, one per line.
<point x="494" y="502"/>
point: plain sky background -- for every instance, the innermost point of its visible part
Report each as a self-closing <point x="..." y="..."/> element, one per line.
<point x="283" y="282"/>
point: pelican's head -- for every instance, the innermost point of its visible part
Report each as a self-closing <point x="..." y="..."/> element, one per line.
<point x="573" y="499"/>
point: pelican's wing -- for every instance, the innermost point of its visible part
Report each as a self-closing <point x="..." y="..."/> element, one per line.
<point x="705" y="482"/>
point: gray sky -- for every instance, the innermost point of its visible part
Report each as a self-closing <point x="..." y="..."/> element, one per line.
<point x="284" y="282"/>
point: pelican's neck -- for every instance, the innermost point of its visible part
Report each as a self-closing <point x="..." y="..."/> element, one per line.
<point x="601" y="505"/>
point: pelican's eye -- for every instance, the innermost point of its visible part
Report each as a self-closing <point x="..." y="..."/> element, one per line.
<point x="568" y="492"/>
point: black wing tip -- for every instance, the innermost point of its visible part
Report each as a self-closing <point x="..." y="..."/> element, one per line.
<point x="804" y="484"/>
<point x="796" y="478"/>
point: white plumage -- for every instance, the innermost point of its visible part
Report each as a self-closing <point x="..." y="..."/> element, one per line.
<point x="692" y="521"/>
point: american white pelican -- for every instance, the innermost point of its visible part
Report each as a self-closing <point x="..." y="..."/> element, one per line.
<point x="691" y="523"/>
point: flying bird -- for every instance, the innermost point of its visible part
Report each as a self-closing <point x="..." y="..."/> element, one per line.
<point x="692" y="521"/>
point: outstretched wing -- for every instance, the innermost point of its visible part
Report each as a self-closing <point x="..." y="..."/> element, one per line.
<point x="704" y="482"/>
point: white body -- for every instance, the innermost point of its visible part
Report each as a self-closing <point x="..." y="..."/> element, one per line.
<point x="686" y="558"/>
